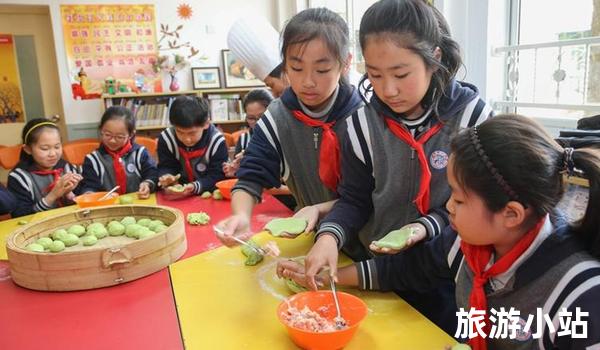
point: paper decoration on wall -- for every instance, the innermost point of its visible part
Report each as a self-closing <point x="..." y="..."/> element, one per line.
<point x="184" y="11"/>
<point x="172" y="36"/>
<point x="11" y="98"/>
<point x="115" y="43"/>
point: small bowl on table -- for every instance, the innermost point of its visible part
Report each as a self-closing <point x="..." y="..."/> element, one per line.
<point x="225" y="187"/>
<point x="92" y="199"/>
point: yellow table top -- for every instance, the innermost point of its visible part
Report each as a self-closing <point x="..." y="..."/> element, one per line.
<point x="8" y="226"/>
<point x="223" y="304"/>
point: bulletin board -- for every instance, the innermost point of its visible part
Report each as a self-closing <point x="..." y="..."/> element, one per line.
<point x="109" y="41"/>
<point x="11" y="97"/>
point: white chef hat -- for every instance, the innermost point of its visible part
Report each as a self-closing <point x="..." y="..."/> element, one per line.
<point x="256" y="44"/>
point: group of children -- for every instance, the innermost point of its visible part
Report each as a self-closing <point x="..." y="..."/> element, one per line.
<point x="415" y="148"/>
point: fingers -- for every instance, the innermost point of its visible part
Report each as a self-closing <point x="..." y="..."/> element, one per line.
<point x="312" y="270"/>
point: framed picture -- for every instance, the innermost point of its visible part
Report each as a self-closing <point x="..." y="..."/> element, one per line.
<point x="236" y="74"/>
<point x="206" y="78"/>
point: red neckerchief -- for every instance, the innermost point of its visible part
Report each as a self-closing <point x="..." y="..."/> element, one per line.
<point x="120" y="176"/>
<point x="329" y="155"/>
<point x="422" y="199"/>
<point x="187" y="157"/>
<point x="56" y="173"/>
<point x="478" y="257"/>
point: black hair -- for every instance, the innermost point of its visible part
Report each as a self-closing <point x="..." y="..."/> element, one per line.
<point x="189" y="111"/>
<point x="31" y="133"/>
<point x="277" y="72"/>
<point x="119" y="112"/>
<point x="514" y="158"/>
<point x="417" y="26"/>
<point x="261" y="96"/>
<point x="316" y="23"/>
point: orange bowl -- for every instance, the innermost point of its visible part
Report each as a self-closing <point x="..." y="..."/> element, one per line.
<point x="92" y="199"/>
<point x="225" y="187"/>
<point x="353" y="310"/>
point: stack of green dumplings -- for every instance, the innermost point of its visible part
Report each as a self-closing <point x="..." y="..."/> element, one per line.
<point x="63" y="238"/>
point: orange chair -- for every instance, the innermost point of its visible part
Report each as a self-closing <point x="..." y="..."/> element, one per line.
<point x="9" y="156"/>
<point x="149" y="143"/>
<point x="229" y="139"/>
<point x="237" y="135"/>
<point x="75" y="153"/>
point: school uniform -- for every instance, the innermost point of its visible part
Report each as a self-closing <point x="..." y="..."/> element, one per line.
<point x="243" y="141"/>
<point x="29" y="185"/>
<point x="103" y="169"/>
<point x="200" y="165"/>
<point x="288" y="144"/>
<point x="381" y="188"/>
<point x="8" y="201"/>
<point x="553" y="273"/>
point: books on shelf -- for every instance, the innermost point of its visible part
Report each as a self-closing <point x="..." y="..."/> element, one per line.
<point x="225" y="107"/>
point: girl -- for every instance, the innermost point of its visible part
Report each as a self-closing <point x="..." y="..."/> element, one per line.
<point x="511" y="251"/>
<point x="119" y="160"/>
<point x="395" y="156"/>
<point x="42" y="180"/>
<point x="297" y="139"/>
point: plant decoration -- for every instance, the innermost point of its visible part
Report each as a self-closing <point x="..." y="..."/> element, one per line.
<point x="173" y="42"/>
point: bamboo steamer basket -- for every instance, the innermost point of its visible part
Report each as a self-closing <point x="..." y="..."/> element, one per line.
<point x="111" y="261"/>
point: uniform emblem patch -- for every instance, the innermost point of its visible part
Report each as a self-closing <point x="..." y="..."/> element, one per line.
<point x="201" y="167"/>
<point x="131" y="168"/>
<point x="438" y="159"/>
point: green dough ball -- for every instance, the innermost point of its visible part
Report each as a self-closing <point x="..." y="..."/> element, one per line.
<point x="97" y="229"/>
<point x="144" y="222"/>
<point x="395" y="239"/>
<point x="252" y="257"/>
<point x="34" y="247"/>
<point x="291" y="226"/>
<point x="461" y="347"/>
<point x="133" y="231"/>
<point x="154" y="224"/>
<point x="161" y="228"/>
<point x="294" y="287"/>
<point x="23" y="222"/>
<point x="125" y="200"/>
<point x="176" y="188"/>
<point x="116" y="228"/>
<point x="44" y="242"/>
<point x="206" y="194"/>
<point x="128" y="220"/>
<point x="70" y="240"/>
<point x="77" y="230"/>
<point x="57" y="246"/>
<point x="89" y="240"/>
<point x="145" y="232"/>
<point x="200" y="218"/>
<point x="217" y="195"/>
<point x="59" y="234"/>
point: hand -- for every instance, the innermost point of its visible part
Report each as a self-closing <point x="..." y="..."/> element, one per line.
<point x="324" y="253"/>
<point x="64" y="185"/>
<point x="168" y="180"/>
<point x="144" y="190"/>
<point x="230" y="168"/>
<point x="419" y="233"/>
<point x="235" y="225"/>
<point x="311" y="214"/>
<point x="188" y="190"/>
<point x="295" y="271"/>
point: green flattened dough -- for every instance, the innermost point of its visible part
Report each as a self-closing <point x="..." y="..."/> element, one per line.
<point x="217" y="195"/>
<point x="125" y="200"/>
<point x="145" y="232"/>
<point x="395" y="239"/>
<point x="59" y="234"/>
<point x="160" y="228"/>
<point x="291" y="226"/>
<point x="252" y="257"/>
<point x="155" y="224"/>
<point x="70" y="240"/>
<point x="57" y="246"/>
<point x="115" y="228"/>
<point x="89" y="240"/>
<point x="294" y="287"/>
<point x="133" y="231"/>
<point x="34" y="247"/>
<point x="200" y="218"/>
<point x="44" y="242"/>
<point x="97" y="229"/>
<point x="128" y="220"/>
<point x="77" y="230"/>
<point x="176" y="188"/>
<point x="206" y="195"/>
<point x="144" y="222"/>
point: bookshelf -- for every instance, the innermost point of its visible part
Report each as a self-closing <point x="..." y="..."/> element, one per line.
<point x="151" y="110"/>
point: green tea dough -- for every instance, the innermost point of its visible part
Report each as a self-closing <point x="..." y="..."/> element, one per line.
<point x="206" y="194"/>
<point x="125" y="200"/>
<point x="154" y="224"/>
<point x="115" y="228"/>
<point x="461" y="347"/>
<point x="161" y="228"/>
<point x="44" y="242"/>
<point x="34" y="247"/>
<point x="70" y="240"/>
<point x="395" y="239"/>
<point x="176" y="188"/>
<point x="252" y="256"/>
<point x="200" y="218"/>
<point x="294" y="287"/>
<point x="217" y="195"/>
<point x="145" y="232"/>
<point x="77" y="230"/>
<point x="128" y="220"/>
<point x="97" y="229"/>
<point x="291" y="226"/>
<point x="59" y="234"/>
<point x="144" y="222"/>
<point x="89" y="240"/>
<point x="56" y="246"/>
<point x="23" y="222"/>
<point x="133" y="231"/>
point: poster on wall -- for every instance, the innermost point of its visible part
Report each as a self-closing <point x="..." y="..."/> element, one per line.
<point x="11" y="97"/>
<point x="110" y="49"/>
